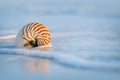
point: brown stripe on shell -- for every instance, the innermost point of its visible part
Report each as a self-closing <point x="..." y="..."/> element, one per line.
<point x="23" y="34"/>
<point x="39" y="28"/>
<point x="27" y="35"/>
<point x="37" y="24"/>
<point x="30" y="29"/>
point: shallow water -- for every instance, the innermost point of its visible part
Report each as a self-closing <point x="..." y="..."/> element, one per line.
<point x="84" y="41"/>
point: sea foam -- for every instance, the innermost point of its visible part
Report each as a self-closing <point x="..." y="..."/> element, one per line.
<point x="68" y="60"/>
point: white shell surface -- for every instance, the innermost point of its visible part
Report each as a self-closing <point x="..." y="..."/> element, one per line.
<point x="19" y="41"/>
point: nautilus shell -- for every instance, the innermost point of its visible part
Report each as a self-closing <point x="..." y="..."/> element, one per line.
<point x="33" y="35"/>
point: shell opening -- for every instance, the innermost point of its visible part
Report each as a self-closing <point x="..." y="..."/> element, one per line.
<point x="33" y="43"/>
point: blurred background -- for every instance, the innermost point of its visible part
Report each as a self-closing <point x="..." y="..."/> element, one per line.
<point x="15" y="14"/>
<point x="86" y="39"/>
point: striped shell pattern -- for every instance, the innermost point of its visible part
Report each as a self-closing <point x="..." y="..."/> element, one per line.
<point x="34" y="35"/>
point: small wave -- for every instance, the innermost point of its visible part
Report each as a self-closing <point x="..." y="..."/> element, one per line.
<point x="7" y="32"/>
<point x="65" y="59"/>
<point x="6" y="35"/>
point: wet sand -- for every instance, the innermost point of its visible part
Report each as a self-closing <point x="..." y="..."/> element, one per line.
<point x="24" y="68"/>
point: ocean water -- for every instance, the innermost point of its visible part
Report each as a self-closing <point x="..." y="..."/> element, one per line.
<point x="85" y="36"/>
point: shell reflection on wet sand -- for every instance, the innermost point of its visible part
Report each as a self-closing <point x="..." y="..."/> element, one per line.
<point x="37" y="65"/>
<point x="31" y="64"/>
